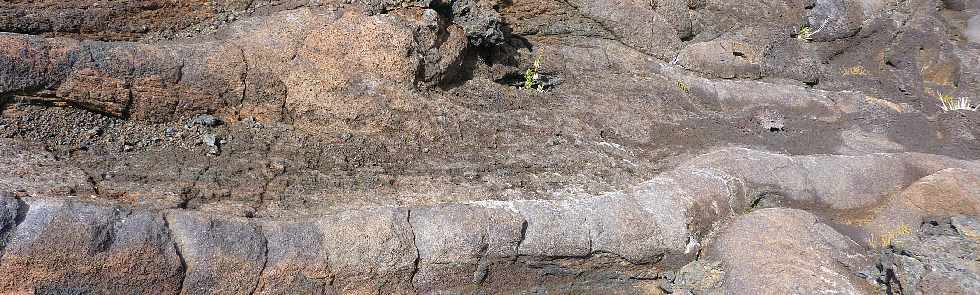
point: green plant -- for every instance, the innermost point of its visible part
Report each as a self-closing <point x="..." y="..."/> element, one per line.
<point x="805" y="33"/>
<point x="955" y="104"/>
<point x="533" y="75"/>
<point x="683" y="86"/>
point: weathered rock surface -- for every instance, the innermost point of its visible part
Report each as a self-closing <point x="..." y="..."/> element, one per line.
<point x="946" y="193"/>
<point x="352" y="147"/>
<point x="658" y="225"/>
<point x="305" y="61"/>
<point x="73" y="246"/>
<point x="786" y="251"/>
<point x="941" y="258"/>
<point x="223" y="256"/>
<point x="29" y="170"/>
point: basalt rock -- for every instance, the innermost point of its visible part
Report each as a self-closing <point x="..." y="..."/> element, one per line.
<point x="258" y="71"/>
<point x="426" y="147"/>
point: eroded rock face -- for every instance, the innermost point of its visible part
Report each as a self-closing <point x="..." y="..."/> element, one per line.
<point x="393" y="147"/>
<point x="349" y="64"/>
<point x="221" y="255"/>
<point x="836" y="19"/>
<point x="661" y="224"/>
<point x="940" y="257"/>
<point x="457" y="244"/>
<point x="155" y="82"/>
<point x="947" y="192"/>
<point x="108" y="248"/>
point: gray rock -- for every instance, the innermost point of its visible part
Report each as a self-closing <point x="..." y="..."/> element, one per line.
<point x="9" y="209"/>
<point x="205" y="120"/>
<point x="835" y="19"/>
<point x="621" y="225"/>
<point x="371" y="250"/>
<point x="222" y="255"/>
<point x="212" y="142"/>
<point x="924" y="263"/>
<point x="840" y="182"/>
<point x="458" y="243"/>
<point x="479" y="20"/>
<point x="636" y="24"/>
<point x="699" y="275"/>
<point x="107" y="248"/>
<point x="770" y="120"/>
<point x="972" y="32"/>
<point x="296" y="260"/>
<point x="558" y="229"/>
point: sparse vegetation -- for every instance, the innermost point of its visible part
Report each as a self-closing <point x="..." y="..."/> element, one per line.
<point x="683" y="86"/>
<point x="804" y="33"/>
<point x="532" y="77"/>
<point x="888" y="238"/>
<point x="854" y="71"/>
<point x="948" y="103"/>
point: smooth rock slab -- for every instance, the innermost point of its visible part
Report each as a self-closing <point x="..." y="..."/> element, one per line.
<point x="787" y="251"/>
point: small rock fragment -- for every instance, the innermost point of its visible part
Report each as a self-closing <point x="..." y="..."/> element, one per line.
<point x="771" y="120"/>
<point x="213" y="143"/>
<point x="204" y="120"/>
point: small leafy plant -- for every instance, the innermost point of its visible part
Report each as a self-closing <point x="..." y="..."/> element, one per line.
<point x="948" y="103"/>
<point x="804" y="33"/>
<point x="683" y="86"/>
<point x="532" y="76"/>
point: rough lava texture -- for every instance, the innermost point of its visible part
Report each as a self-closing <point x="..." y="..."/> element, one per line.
<point x="368" y="147"/>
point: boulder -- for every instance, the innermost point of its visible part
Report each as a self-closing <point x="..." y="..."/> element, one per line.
<point x="786" y="251"/>
<point x="948" y="192"/>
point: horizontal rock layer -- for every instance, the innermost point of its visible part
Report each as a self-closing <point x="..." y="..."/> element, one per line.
<point x="495" y="245"/>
